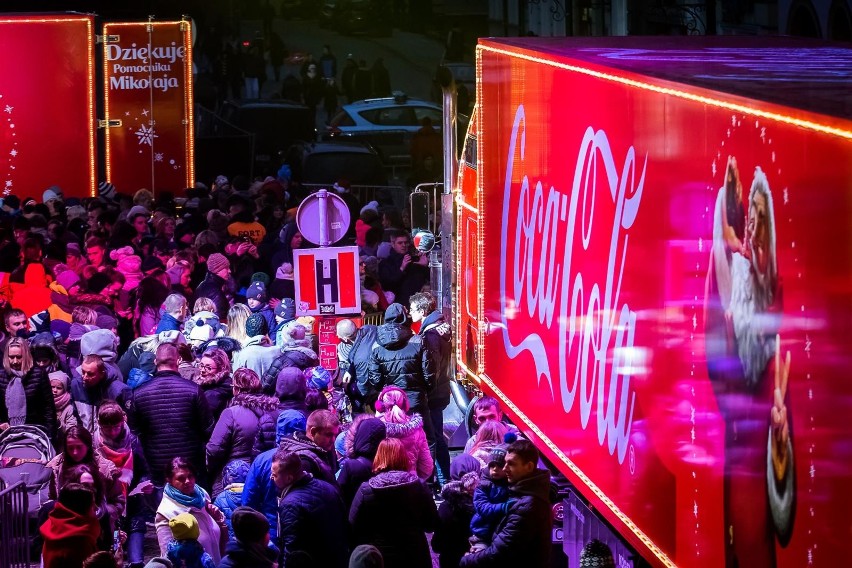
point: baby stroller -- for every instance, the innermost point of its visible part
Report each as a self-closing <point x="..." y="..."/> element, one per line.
<point x="24" y="453"/>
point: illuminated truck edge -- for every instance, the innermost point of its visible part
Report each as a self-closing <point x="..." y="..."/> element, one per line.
<point x="642" y="279"/>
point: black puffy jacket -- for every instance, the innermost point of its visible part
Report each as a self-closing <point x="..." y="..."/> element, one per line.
<point x="212" y="287"/>
<point x="399" y="358"/>
<point x="171" y="417"/>
<point x="438" y="343"/>
<point x="312" y="520"/>
<point x="359" y="356"/>
<point x="316" y="461"/>
<point x="359" y="467"/>
<point x="41" y="410"/>
<point x="299" y="357"/>
<point x="523" y="536"/>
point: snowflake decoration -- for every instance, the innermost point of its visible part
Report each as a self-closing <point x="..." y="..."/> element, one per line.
<point x="8" y="109"/>
<point x="144" y="112"/>
<point x="146" y="135"/>
<point x="13" y="153"/>
<point x="158" y="156"/>
<point x="786" y="196"/>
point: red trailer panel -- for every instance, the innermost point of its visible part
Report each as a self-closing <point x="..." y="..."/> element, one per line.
<point x="668" y="304"/>
<point x="47" y="106"/>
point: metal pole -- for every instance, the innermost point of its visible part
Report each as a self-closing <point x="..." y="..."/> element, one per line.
<point x="323" y="218"/>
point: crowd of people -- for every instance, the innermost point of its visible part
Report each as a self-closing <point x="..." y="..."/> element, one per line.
<point x="157" y="345"/>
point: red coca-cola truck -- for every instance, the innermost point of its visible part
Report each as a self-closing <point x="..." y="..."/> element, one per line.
<point x="652" y="253"/>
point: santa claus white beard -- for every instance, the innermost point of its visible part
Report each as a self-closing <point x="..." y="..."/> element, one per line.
<point x="754" y="328"/>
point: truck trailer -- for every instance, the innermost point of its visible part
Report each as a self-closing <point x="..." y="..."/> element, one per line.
<point x="651" y="272"/>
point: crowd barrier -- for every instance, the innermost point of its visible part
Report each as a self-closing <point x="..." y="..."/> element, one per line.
<point x="14" y="526"/>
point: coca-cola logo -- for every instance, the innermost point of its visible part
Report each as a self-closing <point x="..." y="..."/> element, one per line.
<point x="547" y="272"/>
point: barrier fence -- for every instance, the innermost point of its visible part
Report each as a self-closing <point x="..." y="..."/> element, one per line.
<point x="14" y="527"/>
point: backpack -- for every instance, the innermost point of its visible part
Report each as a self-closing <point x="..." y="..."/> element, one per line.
<point x="24" y="453"/>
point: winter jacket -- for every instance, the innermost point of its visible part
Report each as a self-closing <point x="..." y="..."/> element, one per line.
<point x="490" y="504"/>
<point x="116" y="502"/>
<point x="259" y="492"/>
<point x="450" y="540"/>
<point x="212" y="287"/>
<point x="256" y="355"/>
<point x="290" y="389"/>
<point x="392" y="511"/>
<point x="227" y="501"/>
<point x="41" y="410"/>
<point x="257" y="555"/>
<point x="316" y="461"/>
<point x="188" y="554"/>
<point x="69" y="538"/>
<point x="440" y="349"/>
<point x="359" y="467"/>
<point x="210" y="533"/>
<point x="235" y="432"/>
<point x="268" y="314"/>
<point x="171" y="417"/>
<point x="88" y="401"/>
<point x="414" y="438"/>
<point x="403" y="283"/>
<point x="33" y="296"/>
<point x="218" y="395"/>
<point x="399" y="358"/>
<point x="312" y="519"/>
<point x="139" y="355"/>
<point x="359" y="357"/>
<point x="168" y="322"/>
<point x="523" y="537"/>
<point x="299" y="357"/>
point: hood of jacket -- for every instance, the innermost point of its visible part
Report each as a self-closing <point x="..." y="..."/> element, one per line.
<point x="100" y="342"/>
<point x="289" y="423"/>
<point x="537" y="484"/>
<point x="254" y="401"/>
<point x="393" y="336"/>
<point x="394" y="430"/>
<point x="290" y="385"/>
<point x="392" y="479"/>
<point x="367" y="437"/>
<point x="64" y="524"/>
<point x="34" y="275"/>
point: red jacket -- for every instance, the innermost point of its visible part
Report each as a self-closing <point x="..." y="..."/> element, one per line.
<point x="69" y="538"/>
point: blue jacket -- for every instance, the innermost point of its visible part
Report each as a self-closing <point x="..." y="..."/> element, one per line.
<point x="227" y="501"/>
<point x="490" y="504"/>
<point x="259" y="492"/>
<point x="168" y="322"/>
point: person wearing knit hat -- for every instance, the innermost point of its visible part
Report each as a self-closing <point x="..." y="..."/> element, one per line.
<point x="249" y="547"/>
<point x="257" y="353"/>
<point x="216" y="282"/>
<point x="185" y="550"/>
<point x="285" y="312"/>
<point x="106" y="321"/>
<point x="66" y="415"/>
<point x="49" y="195"/>
<point x="450" y="540"/>
<point x="256" y="299"/>
<point x="150" y="264"/>
<point x="69" y="280"/>
<point x="230" y="498"/>
<point x="260" y="277"/>
<point x="596" y="554"/>
<point x="491" y="499"/>
<point x="366" y="556"/>
<point x="317" y="378"/>
<point x="137" y="210"/>
<point x="106" y="191"/>
<point x="396" y="314"/>
<point x="159" y="562"/>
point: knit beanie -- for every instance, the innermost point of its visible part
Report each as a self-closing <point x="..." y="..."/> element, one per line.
<point x="396" y="314"/>
<point x="286" y="309"/>
<point x="106" y="321"/>
<point x="106" y="190"/>
<point x="175" y="272"/>
<point x="137" y="210"/>
<point x="73" y="249"/>
<point x="257" y="291"/>
<point x="159" y="562"/>
<point x="59" y="377"/>
<point x="48" y="195"/>
<point x="184" y="527"/>
<point x="317" y="377"/>
<point x="235" y="472"/>
<point x="498" y="452"/>
<point x="217" y="262"/>
<point x="596" y="554"/>
<point x="153" y="263"/>
<point x="366" y="556"/>
<point x="285" y="271"/>
<point x="261" y="277"/>
<point x="296" y="333"/>
<point x="249" y="525"/>
<point x="256" y="325"/>
<point x="67" y="279"/>
<point x="129" y="265"/>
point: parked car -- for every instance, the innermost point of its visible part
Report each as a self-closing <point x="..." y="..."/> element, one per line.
<point x="357" y="16"/>
<point x="328" y="162"/>
<point x="386" y="123"/>
<point x="276" y="125"/>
